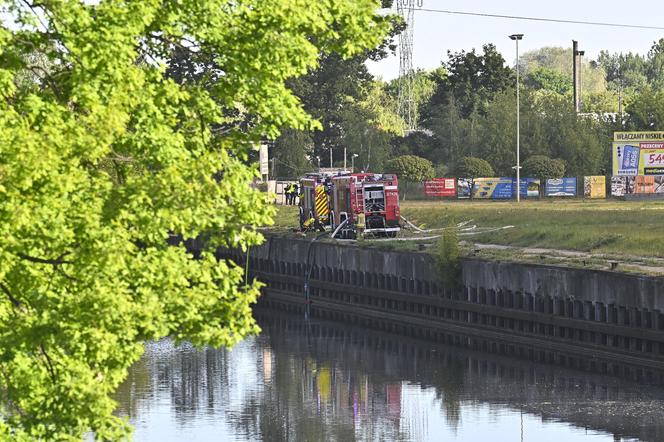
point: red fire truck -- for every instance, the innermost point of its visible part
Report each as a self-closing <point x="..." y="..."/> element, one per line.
<point x="374" y="195"/>
<point x="328" y="201"/>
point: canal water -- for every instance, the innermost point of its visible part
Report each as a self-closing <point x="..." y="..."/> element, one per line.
<point x="321" y="380"/>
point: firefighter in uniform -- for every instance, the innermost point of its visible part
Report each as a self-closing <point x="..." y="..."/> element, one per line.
<point x="290" y="188"/>
<point x="361" y="224"/>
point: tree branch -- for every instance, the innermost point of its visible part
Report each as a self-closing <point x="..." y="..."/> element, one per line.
<point x="13" y="300"/>
<point x="56" y="262"/>
<point x="49" y="363"/>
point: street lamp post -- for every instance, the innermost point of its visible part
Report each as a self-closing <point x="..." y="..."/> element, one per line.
<point x="330" y="157"/>
<point x="517" y="38"/>
<point x="352" y="162"/>
<point x="318" y="158"/>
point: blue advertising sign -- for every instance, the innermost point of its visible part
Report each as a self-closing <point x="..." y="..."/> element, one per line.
<point x="504" y="189"/>
<point x="560" y="187"/>
<point x="528" y="187"/>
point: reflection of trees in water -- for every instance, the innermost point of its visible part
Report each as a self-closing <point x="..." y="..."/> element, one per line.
<point x="461" y="375"/>
<point x="327" y="381"/>
<point x="195" y="380"/>
<point x="448" y="382"/>
<point x="306" y="399"/>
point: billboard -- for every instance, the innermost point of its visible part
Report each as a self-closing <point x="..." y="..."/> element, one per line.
<point x="619" y="185"/>
<point x="441" y="187"/>
<point x="560" y="187"/>
<point x="464" y="188"/>
<point x="638" y="153"/>
<point x="594" y="187"/>
<point x="492" y="188"/>
<point x="503" y="188"/>
<point x="530" y="187"/>
<point x="645" y="184"/>
<point x="637" y="185"/>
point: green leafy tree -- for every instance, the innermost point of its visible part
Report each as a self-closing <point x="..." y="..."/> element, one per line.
<point x="646" y="111"/>
<point x="559" y="60"/>
<point x="473" y="79"/>
<point x="580" y="141"/>
<point x="340" y="92"/>
<point x="549" y="79"/>
<point x="471" y="167"/>
<point x="292" y="153"/>
<point x="411" y="169"/>
<point x="655" y="65"/>
<point x="541" y="166"/>
<point x="110" y="156"/>
<point x="626" y="72"/>
<point x="421" y="144"/>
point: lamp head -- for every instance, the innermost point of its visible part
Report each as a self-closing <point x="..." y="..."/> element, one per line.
<point x="516" y="37"/>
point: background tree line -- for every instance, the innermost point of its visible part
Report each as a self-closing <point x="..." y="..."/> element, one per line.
<point x="466" y="108"/>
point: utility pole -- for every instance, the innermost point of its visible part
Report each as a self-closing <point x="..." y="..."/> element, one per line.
<point x="620" y="100"/>
<point x="517" y="38"/>
<point x="576" y="71"/>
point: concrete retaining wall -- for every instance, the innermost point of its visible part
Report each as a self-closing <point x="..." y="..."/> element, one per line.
<point x="598" y="310"/>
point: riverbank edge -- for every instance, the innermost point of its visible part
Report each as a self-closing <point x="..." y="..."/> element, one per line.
<point x="597" y="311"/>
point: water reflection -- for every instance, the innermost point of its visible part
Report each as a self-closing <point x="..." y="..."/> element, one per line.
<point x="319" y="380"/>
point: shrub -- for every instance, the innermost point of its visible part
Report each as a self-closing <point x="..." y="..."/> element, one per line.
<point x="541" y="166"/>
<point x="447" y="257"/>
<point x="472" y="167"/>
<point x="411" y="168"/>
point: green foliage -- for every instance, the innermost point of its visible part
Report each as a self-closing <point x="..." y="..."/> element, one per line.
<point x="541" y="166"/>
<point x="411" y="168"/>
<point x="446" y="252"/>
<point x="624" y="71"/>
<point x="471" y="167"/>
<point x="473" y="79"/>
<point x="423" y="88"/>
<point x="559" y="61"/>
<point x="549" y="79"/>
<point x="110" y="155"/>
<point x="291" y="152"/>
<point x="420" y="144"/>
<point x="355" y="112"/>
<point x="646" y="111"/>
<point x="600" y="103"/>
<point x="441" y="170"/>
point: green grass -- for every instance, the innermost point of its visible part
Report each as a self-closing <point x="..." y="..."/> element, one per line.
<point x="287" y="218"/>
<point x="611" y="227"/>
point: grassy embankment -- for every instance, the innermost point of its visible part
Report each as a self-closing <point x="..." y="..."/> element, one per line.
<point x="631" y="233"/>
<point x="609" y="227"/>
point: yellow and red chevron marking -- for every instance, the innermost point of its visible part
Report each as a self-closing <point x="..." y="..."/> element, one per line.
<point x="322" y="208"/>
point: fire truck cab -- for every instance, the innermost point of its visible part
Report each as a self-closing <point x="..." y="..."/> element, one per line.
<point x="374" y="195"/>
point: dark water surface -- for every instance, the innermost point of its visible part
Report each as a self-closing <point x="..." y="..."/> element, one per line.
<point x="324" y="381"/>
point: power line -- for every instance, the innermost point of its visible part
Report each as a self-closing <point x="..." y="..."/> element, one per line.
<point x="541" y="19"/>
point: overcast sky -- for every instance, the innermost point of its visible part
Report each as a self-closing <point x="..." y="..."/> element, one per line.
<point x="435" y="33"/>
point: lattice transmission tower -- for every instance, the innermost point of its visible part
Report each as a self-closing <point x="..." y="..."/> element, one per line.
<point x="407" y="106"/>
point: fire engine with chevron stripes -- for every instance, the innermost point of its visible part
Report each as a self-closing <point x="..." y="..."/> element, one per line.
<point x="350" y="204"/>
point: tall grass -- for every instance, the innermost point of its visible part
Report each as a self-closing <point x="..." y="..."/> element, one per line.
<point x="635" y="228"/>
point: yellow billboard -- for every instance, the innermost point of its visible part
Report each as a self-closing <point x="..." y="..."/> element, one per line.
<point x="594" y="187"/>
<point x="638" y="153"/>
